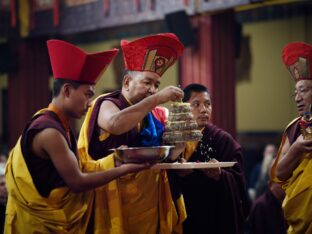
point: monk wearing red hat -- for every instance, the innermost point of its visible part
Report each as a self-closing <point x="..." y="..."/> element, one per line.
<point x="141" y="202"/>
<point x="48" y="192"/>
<point x="293" y="166"/>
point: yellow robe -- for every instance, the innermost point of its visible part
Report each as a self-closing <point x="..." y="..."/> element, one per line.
<point x="135" y="203"/>
<point x="28" y="212"/>
<point x="297" y="204"/>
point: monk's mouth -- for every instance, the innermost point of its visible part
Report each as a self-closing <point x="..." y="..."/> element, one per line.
<point x="300" y="107"/>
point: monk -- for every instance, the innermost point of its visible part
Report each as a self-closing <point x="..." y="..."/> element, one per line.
<point x="141" y="202"/>
<point x="215" y="199"/>
<point x="48" y="192"/>
<point x="293" y="165"/>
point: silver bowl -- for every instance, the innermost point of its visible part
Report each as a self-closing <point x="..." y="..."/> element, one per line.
<point x="143" y="154"/>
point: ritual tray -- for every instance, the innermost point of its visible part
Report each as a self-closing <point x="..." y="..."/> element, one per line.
<point x="192" y="165"/>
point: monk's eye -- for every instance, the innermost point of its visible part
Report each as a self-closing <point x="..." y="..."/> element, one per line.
<point x="195" y="105"/>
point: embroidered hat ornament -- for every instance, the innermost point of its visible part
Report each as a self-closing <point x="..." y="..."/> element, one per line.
<point x="72" y="63"/>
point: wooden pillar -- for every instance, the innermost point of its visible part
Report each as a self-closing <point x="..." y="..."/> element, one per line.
<point x="212" y="63"/>
<point x="28" y="86"/>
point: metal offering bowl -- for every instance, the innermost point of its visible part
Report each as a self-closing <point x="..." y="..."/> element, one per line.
<point x="143" y="154"/>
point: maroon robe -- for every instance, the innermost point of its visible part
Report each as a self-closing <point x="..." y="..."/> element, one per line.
<point x="99" y="149"/>
<point x="43" y="172"/>
<point x="215" y="206"/>
<point x="266" y="215"/>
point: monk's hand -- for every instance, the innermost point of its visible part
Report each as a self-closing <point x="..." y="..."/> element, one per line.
<point x="177" y="151"/>
<point x="118" y="161"/>
<point x="183" y="172"/>
<point x="213" y="173"/>
<point x="135" y="167"/>
<point x="302" y="146"/>
<point x="170" y="93"/>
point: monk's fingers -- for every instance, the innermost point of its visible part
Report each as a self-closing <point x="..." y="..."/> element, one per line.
<point x="212" y="172"/>
<point x="177" y="89"/>
<point x="213" y="160"/>
<point x="182" y="160"/>
<point x="308" y="144"/>
<point x="123" y="147"/>
<point x="303" y="141"/>
<point x="308" y="149"/>
<point x="304" y="145"/>
<point x="177" y="96"/>
<point x="135" y="167"/>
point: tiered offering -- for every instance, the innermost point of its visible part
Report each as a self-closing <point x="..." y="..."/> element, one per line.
<point x="181" y="126"/>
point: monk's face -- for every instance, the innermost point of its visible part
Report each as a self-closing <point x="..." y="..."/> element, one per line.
<point x="141" y="85"/>
<point x="201" y="107"/>
<point x="303" y="95"/>
<point x="78" y="100"/>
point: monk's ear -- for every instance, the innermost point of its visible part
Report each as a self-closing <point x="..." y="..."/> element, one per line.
<point x="126" y="81"/>
<point x="66" y="89"/>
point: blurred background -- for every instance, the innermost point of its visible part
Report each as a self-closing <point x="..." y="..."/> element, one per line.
<point x="232" y="46"/>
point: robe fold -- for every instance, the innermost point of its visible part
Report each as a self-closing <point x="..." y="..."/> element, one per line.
<point x="266" y="215"/>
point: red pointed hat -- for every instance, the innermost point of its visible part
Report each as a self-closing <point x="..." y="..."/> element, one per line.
<point x="297" y="57"/>
<point x="72" y="63"/>
<point x="155" y="53"/>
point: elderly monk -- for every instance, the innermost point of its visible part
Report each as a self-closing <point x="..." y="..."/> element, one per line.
<point x="215" y="199"/>
<point x="141" y="202"/>
<point x="293" y="166"/>
<point x="48" y="192"/>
